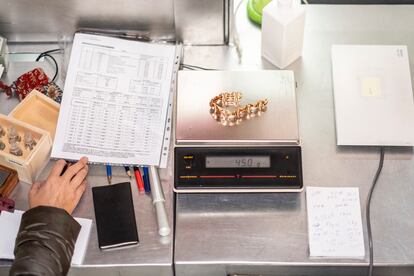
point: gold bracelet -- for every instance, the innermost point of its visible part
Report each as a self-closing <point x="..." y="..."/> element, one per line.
<point x="220" y="112"/>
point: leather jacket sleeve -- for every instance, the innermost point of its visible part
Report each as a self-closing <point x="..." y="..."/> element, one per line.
<point x="45" y="242"/>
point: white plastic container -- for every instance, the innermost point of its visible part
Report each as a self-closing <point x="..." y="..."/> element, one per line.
<point x="283" y="26"/>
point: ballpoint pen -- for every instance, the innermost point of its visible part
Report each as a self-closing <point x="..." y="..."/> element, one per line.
<point x="109" y="173"/>
<point x="128" y="171"/>
<point x="146" y="178"/>
<point x="138" y="178"/>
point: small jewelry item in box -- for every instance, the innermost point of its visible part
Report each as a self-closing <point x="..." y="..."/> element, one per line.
<point x="15" y="149"/>
<point x="33" y="121"/>
<point x="13" y="136"/>
<point x="29" y="142"/>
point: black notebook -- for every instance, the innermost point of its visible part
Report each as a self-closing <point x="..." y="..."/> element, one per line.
<point x="115" y="216"/>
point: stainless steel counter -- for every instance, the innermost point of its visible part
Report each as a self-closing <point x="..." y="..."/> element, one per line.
<point x="266" y="234"/>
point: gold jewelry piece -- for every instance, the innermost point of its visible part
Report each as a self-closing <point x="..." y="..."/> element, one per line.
<point x="220" y="112"/>
<point x="13" y="135"/>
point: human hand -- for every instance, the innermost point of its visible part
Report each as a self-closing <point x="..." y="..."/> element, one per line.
<point x="61" y="191"/>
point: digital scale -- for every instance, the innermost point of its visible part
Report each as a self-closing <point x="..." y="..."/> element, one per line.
<point x="262" y="154"/>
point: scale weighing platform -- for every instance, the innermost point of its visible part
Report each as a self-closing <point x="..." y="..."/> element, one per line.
<point x="261" y="154"/>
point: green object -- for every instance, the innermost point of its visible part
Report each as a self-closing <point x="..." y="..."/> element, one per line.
<point x="255" y="8"/>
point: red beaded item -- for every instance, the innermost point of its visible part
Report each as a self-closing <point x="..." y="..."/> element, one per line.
<point x="26" y="83"/>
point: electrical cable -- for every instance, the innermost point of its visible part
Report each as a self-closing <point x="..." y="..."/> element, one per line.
<point x="236" y="38"/>
<point x="48" y="54"/>
<point x="368" y="212"/>
<point x="195" y="67"/>
<point x="52" y="51"/>
<point x="186" y="67"/>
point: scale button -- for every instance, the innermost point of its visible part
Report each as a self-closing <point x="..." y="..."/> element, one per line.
<point x="188" y="161"/>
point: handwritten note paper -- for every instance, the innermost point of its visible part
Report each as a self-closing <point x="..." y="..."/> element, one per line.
<point x="334" y="223"/>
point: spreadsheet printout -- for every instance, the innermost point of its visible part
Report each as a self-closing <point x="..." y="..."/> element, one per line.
<point x="115" y="101"/>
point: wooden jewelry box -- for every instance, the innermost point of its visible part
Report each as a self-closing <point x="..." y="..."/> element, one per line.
<point x="38" y="115"/>
<point x="8" y="180"/>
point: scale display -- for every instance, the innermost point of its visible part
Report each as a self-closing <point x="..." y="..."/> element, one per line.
<point x="243" y="161"/>
<point x="203" y="169"/>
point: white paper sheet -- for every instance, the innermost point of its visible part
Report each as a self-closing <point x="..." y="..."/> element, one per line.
<point x="334" y="223"/>
<point x="115" y="101"/>
<point x="373" y="95"/>
<point x="9" y="227"/>
<point x="82" y="242"/>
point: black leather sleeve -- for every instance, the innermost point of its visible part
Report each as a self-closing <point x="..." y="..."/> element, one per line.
<point x="45" y="242"/>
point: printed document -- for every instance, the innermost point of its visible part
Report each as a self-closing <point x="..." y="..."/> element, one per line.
<point x="334" y="223"/>
<point x="115" y="101"/>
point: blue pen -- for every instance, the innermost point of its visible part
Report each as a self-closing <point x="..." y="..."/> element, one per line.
<point x="109" y="173"/>
<point x="147" y="186"/>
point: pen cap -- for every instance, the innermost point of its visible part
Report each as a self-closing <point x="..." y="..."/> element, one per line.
<point x="158" y="201"/>
<point x="155" y="183"/>
<point x="163" y="227"/>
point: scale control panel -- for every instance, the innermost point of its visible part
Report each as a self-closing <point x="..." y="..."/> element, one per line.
<point x="238" y="169"/>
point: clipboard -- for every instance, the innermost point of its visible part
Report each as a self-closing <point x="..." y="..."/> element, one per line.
<point x="166" y="135"/>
